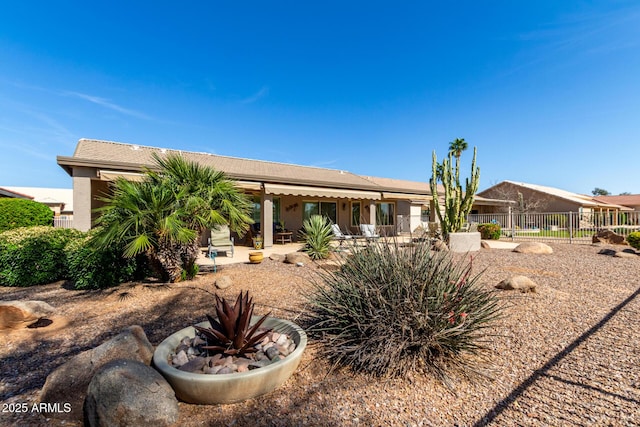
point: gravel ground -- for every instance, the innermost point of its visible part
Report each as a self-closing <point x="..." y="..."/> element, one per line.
<point x="566" y="355"/>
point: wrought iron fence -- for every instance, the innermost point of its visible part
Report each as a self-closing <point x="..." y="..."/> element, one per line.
<point x="572" y="227"/>
<point x="62" y="222"/>
<point x="568" y="227"/>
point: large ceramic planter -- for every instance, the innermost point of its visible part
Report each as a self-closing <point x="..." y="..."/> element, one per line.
<point x="255" y="257"/>
<point x="210" y="389"/>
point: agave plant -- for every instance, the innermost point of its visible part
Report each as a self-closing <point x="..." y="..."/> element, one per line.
<point x="231" y="334"/>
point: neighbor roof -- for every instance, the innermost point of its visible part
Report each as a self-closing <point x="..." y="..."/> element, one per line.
<point x="623" y="199"/>
<point x="580" y="199"/>
<point x="49" y="196"/>
<point x="135" y="158"/>
<point x="6" y="192"/>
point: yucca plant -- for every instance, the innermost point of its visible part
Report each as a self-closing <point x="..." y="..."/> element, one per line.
<point x="392" y="310"/>
<point x="230" y="333"/>
<point x="316" y="234"/>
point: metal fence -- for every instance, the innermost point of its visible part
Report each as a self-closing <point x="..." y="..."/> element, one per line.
<point x="566" y="227"/>
<point x="571" y="227"/>
<point x="62" y="222"/>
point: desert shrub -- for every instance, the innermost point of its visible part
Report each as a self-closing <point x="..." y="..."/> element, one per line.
<point x="16" y="213"/>
<point x="92" y="267"/>
<point x="34" y="255"/>
<point x="317" y="235"/>
<point x="634" y="239"/>
<point x="490" y="231"/>
<point x="390" y="310"/>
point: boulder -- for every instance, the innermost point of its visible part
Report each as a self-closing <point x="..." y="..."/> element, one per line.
<point x="626" y="253"/>
<point x="297" y="257"/>
<point x="68" y="383"/>
<point x="440" y="245"/>
<point x="609" y="237"/>
<point x="129" y="393"/>
<point x="609" y="252"/>
<point x="533" y="248"/>
<point x="277" y="257"/>
<point x="223" y="282"/>
<point x="520" y="283"/>
<point x="20" y="314"/>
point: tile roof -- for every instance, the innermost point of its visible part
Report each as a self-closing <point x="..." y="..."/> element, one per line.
<point x="581" y="199"/>
<point x="113" y="155"/>
<point x="45" y="195"/>
<point x="6" y="192"/>
<point x="622" y="199"/>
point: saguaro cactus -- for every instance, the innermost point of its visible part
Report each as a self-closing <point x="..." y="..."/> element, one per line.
<point x="457" y="204"/>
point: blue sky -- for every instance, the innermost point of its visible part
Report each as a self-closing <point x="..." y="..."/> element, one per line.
<point x="549" y="91"/>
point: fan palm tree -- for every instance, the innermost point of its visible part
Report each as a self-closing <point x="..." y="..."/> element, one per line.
<point x="164" y="215"/>
<point x="457" y="146"/>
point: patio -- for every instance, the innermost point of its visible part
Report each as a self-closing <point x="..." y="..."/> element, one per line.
<point x="241" y="255"/>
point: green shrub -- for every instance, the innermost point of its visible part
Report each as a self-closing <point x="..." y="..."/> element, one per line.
<point x="34" y="255"/>
<point x="391" y="310"/>
<point x="490" y="231"/>
<point x="90" y="267"/>
<point x="16" y="213"/>
<point x="634" y="239"/>
<point x="317" y="236"/>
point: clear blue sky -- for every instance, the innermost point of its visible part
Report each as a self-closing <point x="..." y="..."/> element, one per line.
<point x="548" y="90"/>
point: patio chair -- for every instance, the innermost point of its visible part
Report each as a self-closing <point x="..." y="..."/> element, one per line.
<point x="220" y="240"/>
<point x="369" y="232"/>
<point x="339" y="235"/>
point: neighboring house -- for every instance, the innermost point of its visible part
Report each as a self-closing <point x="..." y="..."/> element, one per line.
<point x="282" y="193"/>
<point x="552" y="200"/>
<point x="5" y="192"/>
<point x="631" y="201"/>
<point x="60" y="200"/>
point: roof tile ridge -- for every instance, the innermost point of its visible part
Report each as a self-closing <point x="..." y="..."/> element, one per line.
<point x="342" y="171"/>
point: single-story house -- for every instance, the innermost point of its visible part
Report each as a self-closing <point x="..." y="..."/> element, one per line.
<point x="60" y="200"/>
<point x="543" y="199"/>
<point x="282" y="193"/>
<point x="631" y="201"/>
<point x="5" y="192"/>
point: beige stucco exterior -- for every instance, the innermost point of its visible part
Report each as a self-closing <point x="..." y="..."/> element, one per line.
<point x="96" y="163"/>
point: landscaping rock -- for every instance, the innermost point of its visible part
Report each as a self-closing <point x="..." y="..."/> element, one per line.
<point x="20" y="314"/>
<point x="484" y="245"/>
<point x="608" y="236"/>
<point x="297" y="257"/>
<point x="533" y="248"/>
<point x="223" y="282"/>
<point x="129" y="393"/>
<point x="609" y="252"/>
<point x="440" y="245"/>
<point x="520" y="283"/>
<point x="626" y="253"/>
<point x="68" y="383"/>
<point x="277" y="257"/>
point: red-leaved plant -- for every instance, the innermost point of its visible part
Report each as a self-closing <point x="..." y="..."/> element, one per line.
<point x="231" y="334"/>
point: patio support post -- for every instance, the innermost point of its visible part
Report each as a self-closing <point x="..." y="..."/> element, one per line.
<point x="372" y="212"/>
<point x="82" y="198"/>
<point x="266" y="219"/>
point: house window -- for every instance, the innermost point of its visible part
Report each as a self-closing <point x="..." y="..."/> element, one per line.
<point x="257" y="208"/>
<point x="355" y="214"/>
<point x="326" y="209"/>
<point x="425" y="214"/>
<point x="385" y="213"/>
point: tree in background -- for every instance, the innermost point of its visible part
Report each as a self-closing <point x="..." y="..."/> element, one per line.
<point x="164" y="215"/>
<point x="600" y="192"/>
